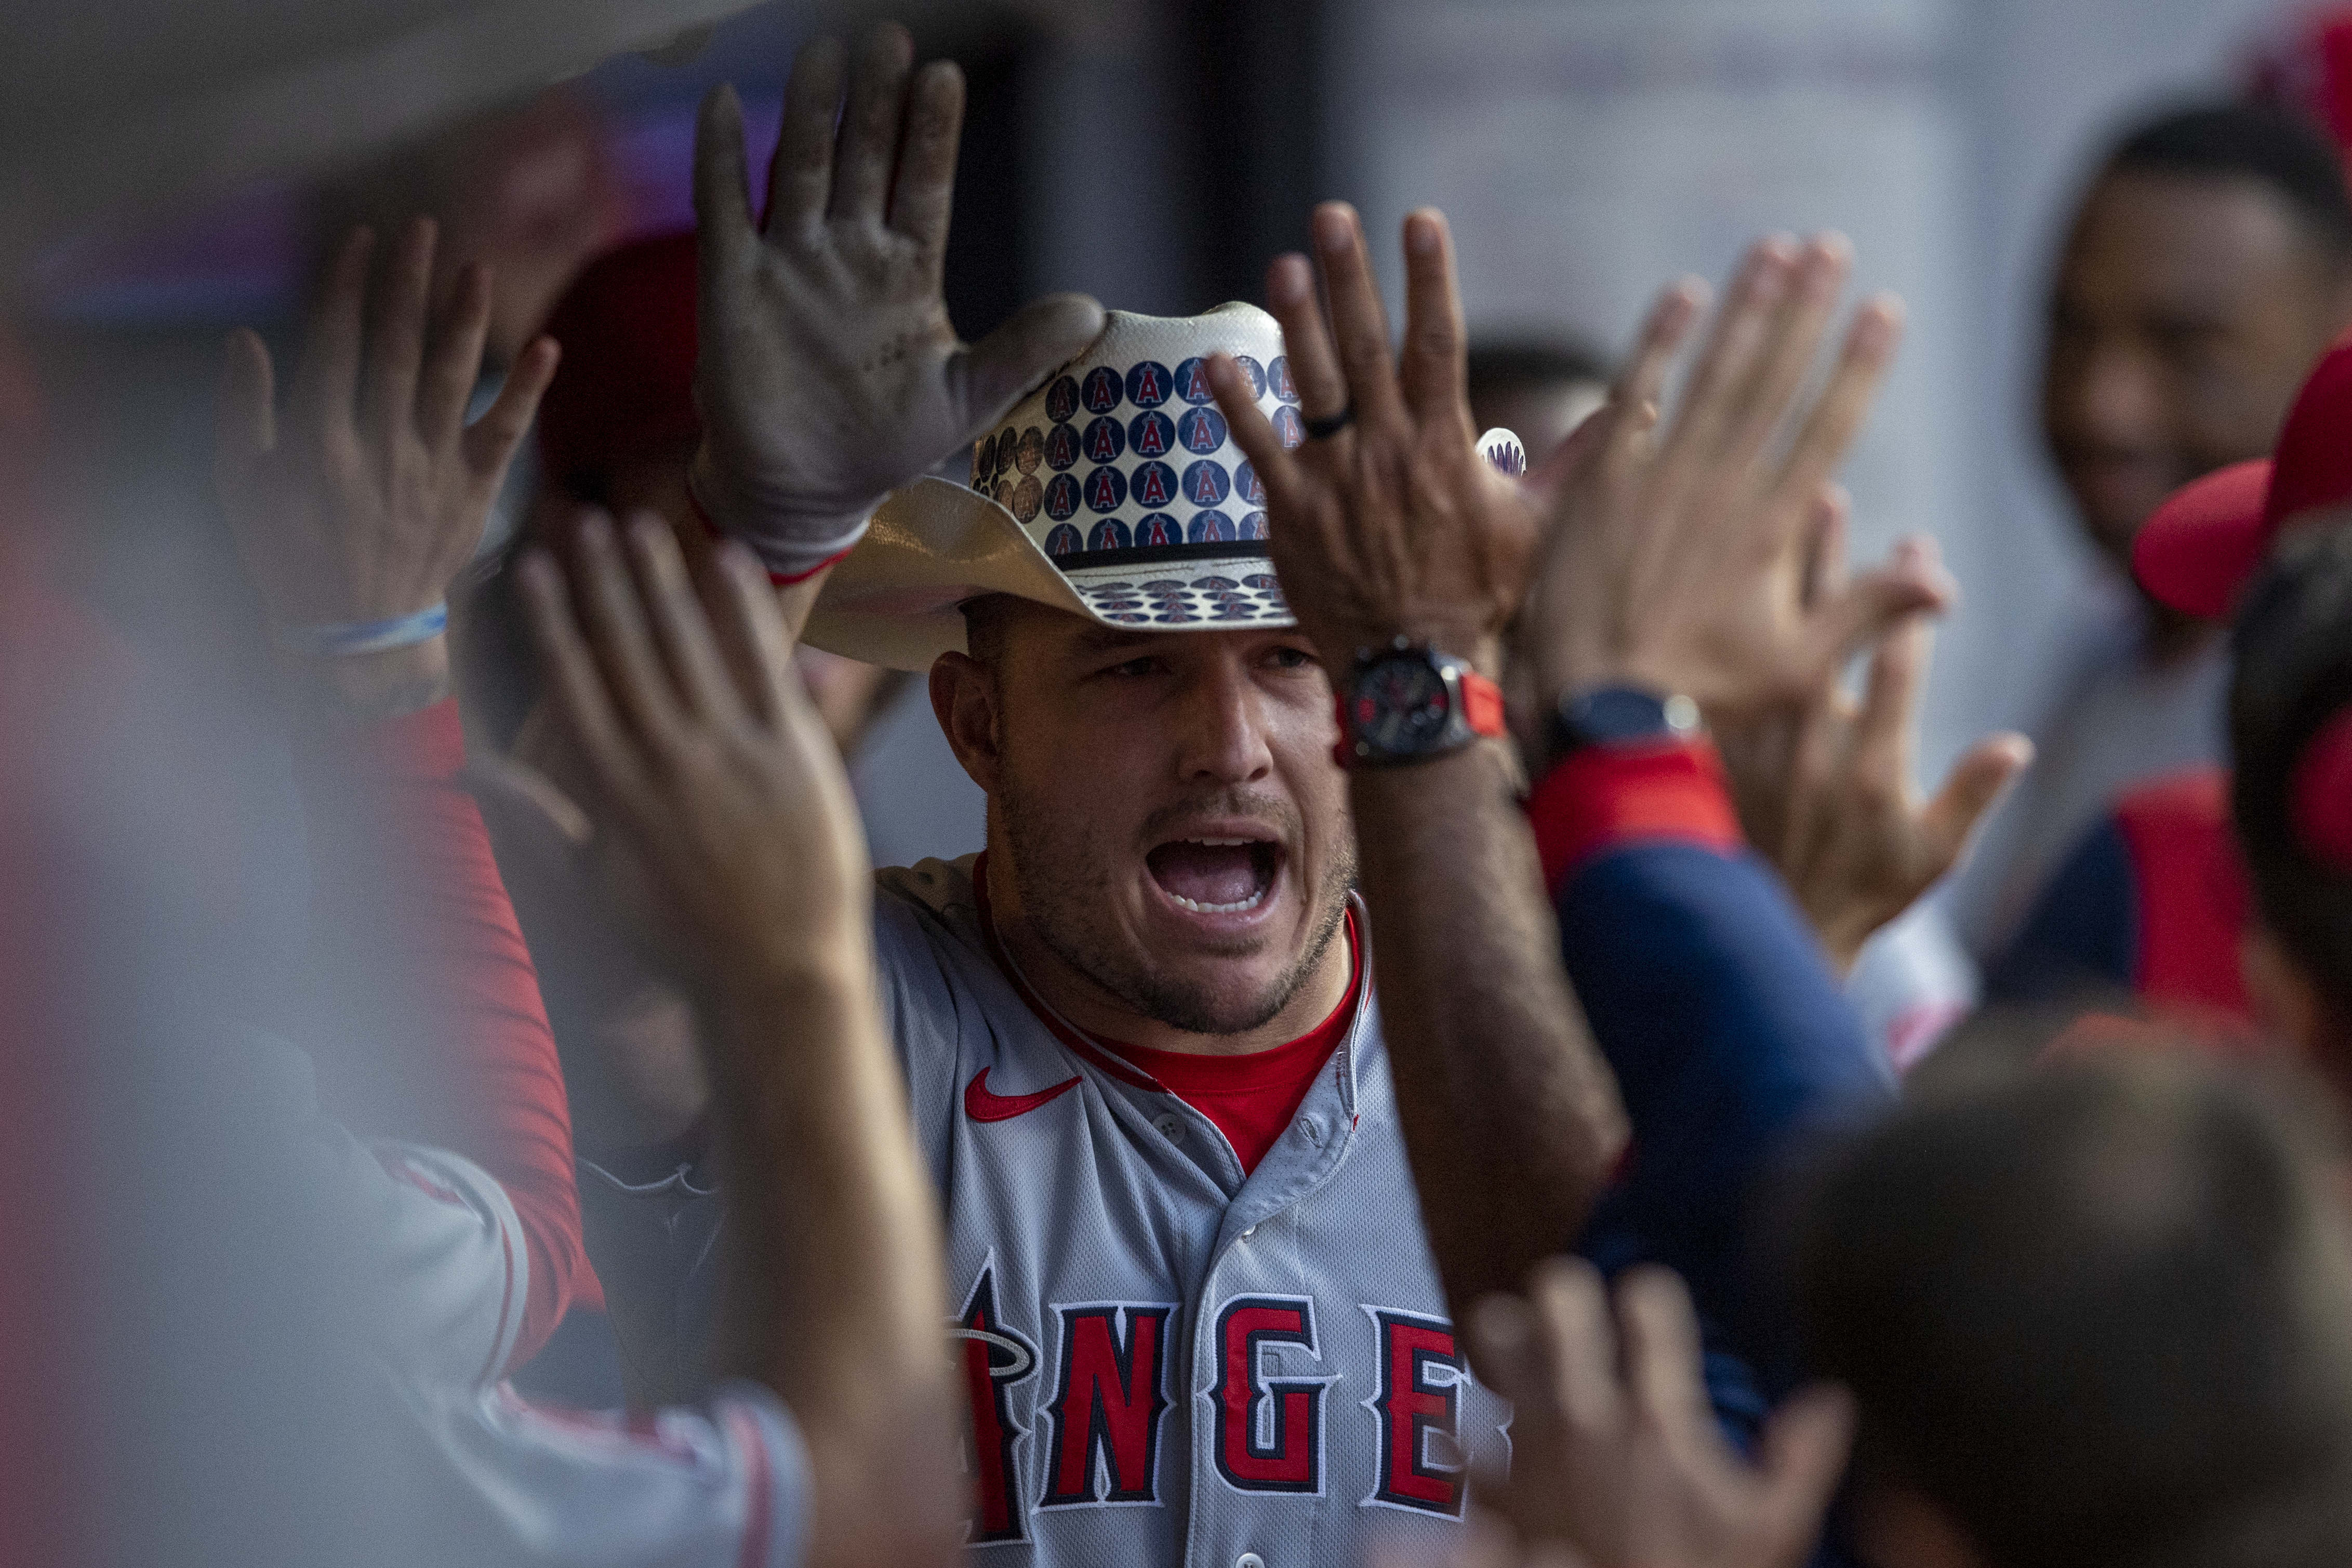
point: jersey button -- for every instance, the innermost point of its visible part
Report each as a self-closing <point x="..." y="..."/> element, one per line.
<point x="1249" y="1560"/>
<point x="1170" y="1126"/>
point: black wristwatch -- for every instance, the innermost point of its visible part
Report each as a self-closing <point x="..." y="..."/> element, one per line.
<point x="1407" y="702"/>
<point x="1613" y="715"/>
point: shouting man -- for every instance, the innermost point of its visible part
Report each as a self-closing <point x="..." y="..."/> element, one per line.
<point x="1194" y="1309"/>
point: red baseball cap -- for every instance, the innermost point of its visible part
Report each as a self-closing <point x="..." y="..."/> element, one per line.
<point x="2198" y="547"/>
<point x="625" y="386"/>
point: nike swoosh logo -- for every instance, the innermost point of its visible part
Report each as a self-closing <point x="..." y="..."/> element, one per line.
<point x="982" y="1106"/>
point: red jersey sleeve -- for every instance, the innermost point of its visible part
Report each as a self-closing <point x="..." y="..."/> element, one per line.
<point x="432" y="1024"/>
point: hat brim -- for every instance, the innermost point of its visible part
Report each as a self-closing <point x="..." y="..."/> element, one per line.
<point x="896" y="599"/>
<point x="2197" y="550"/>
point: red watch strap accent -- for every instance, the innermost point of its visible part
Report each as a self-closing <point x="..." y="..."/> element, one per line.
<point x="1482" y="705"/>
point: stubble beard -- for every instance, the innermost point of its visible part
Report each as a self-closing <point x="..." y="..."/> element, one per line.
<point x="1064" y="887"/>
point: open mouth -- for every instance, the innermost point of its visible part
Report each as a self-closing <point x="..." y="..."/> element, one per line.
<point x="1216" y="876"/>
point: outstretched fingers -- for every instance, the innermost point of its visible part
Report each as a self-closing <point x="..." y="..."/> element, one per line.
<point x="1578" y="1344"/>
<point x="1306" y="339"/>
<point x="1360" y="326"/>
<point x="453" y="366"/>
<point x="1253" y="432"/>
<point x="1632" y="410"/>
<point x="1801" y="1459"/>
<point x="1817" y="277"/>
<point x="583" y="700"/>
<point x="326" y="378"/>
<point x="681" y="629"/>
<point x="1844" y="403"/>
<point x="1659" y="1331"/>
<point x="395" y="347"/>
<point x="1745" y="325"/>
<point x="870" y="124"/>
<point x="490" y="441"/>
<point x="923" y="197"/>
<point x="1976" y="781"/>
<point x="612" y="613"/>
<point x="1431" y="367"/>
<point x="751" y="627"/>
<point x="722" y="200"/>
<point x="800" y="177"/>
<point x="245" y="424"/>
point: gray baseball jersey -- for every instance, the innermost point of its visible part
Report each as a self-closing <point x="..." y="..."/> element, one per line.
<point x="441" y="1272"/>
<point x="1169" y="1362"/>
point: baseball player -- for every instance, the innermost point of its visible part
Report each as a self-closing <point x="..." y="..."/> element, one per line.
<point x="833" y="1442"/>
<point x="1195" y="1316"/>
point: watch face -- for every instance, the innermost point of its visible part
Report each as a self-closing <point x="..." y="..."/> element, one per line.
<point x="1401" y="706"/>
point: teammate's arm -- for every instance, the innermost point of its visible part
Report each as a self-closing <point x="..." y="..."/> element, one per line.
<point x="1396" y="525"/>
<point x="354" y="506"/>
<point x="709" y="768"/>
<point x="829" y="373"/>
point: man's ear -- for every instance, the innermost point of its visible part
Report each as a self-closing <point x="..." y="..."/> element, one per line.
<point x="964" y="700"/>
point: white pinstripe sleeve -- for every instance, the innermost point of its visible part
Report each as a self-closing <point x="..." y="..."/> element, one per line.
<point x="724" y="1486"/>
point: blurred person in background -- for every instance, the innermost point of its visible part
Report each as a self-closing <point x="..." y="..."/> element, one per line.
<point x="2207" y="268"/>
<point x="2097" y="1315"/>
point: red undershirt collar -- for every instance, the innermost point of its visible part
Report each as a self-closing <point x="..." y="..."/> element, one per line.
<point x="1250" y="1097"/>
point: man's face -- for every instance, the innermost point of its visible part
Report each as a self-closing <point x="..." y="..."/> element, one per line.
<point x="1178" y="830"/>
<point x="2187" y="311"/>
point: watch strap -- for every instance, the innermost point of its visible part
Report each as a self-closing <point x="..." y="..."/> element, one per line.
<point x="1479" y="712"/>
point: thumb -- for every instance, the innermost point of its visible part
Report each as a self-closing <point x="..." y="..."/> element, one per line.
<point x="1870" y="606"/>
<point x="1803" y="1454"/>
<point x="1975" y="783"/>
<point x="244" y="425"/>
<point x="1546" y="480"/>
<point x="995" y="373"/>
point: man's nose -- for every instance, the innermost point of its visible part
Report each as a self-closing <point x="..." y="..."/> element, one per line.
<point x="1221" y="726"/>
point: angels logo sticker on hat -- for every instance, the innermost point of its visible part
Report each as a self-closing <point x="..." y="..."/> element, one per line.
<point x="1115" y="490"/>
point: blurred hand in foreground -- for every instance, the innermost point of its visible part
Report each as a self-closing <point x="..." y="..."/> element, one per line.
<point x="1825" y="784"/>
<point x="706" y="763"/>
<point x="1393" y="524"/>
<point x="1677" y="561"/>
<point x="364" y="498"/>
<point x="829" y="373"/>
<point x="1617" y="1459"/>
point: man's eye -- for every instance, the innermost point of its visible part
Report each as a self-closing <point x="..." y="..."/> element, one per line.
<point x="1290" y="659"/>
<point x="1134" y="666"/>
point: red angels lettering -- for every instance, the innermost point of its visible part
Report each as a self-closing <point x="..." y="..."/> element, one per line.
<point x="1106" y="1413"/>
<point x="1269" y="1435"/>
<point x="993" y="1358"/>
<point x="1418" y="1402"/>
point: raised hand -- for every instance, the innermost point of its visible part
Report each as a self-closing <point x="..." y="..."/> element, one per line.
<point x="1393" y="524"/>
<point x="363" y="501"/>
<point x="1679" y="560"/>
<point x="1616" y="1456"/>
<point x="829" y="373"/>
<point x="1824" y="784"/>
<point x="704" y="760"/>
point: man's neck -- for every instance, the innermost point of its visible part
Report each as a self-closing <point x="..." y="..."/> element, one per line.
<point x="1083" y="1002"/>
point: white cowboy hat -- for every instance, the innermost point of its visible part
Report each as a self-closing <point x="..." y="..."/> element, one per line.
<point x="1113" y="491"/>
